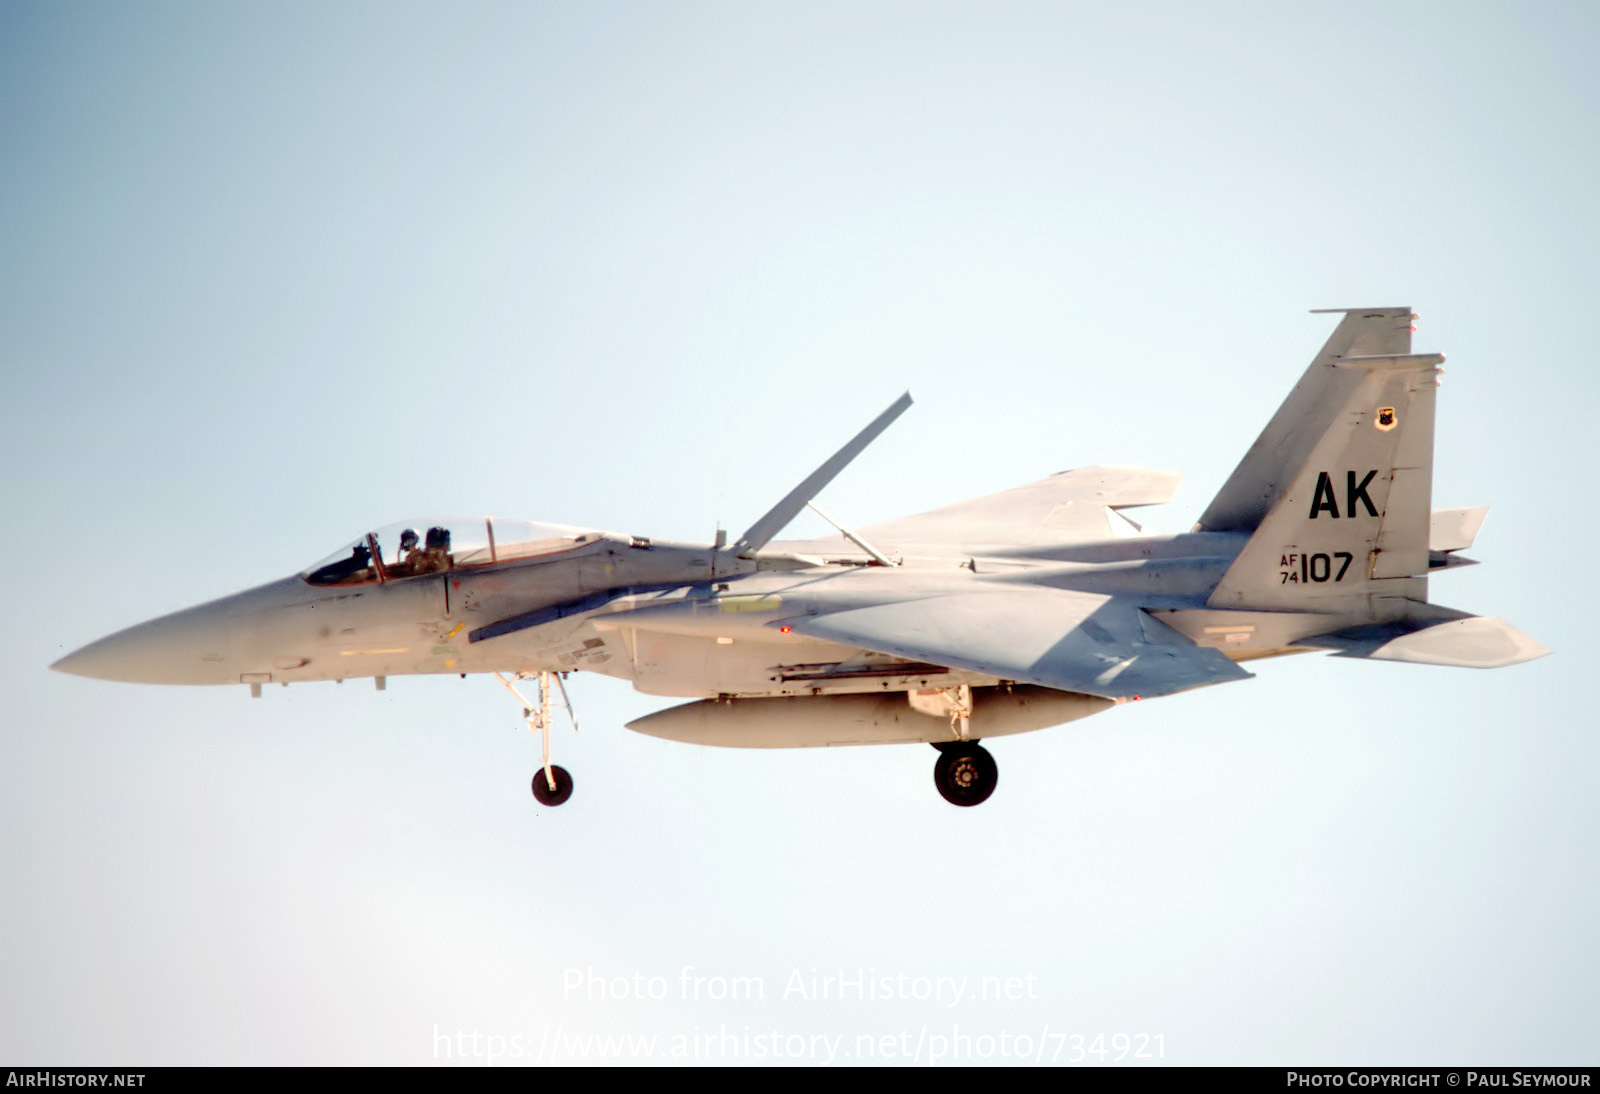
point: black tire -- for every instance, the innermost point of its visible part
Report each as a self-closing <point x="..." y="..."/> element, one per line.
<point x="965" y="774"/>
<point x="541" y="786"/>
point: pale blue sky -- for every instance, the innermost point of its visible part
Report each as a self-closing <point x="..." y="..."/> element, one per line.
<point x="275" y="274"/>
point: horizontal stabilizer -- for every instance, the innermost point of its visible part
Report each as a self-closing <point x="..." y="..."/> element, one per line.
<point x="1455" y="529"/>
<point x="1477" y="642"/>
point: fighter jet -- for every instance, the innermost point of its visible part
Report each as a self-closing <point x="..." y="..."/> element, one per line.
<point x="1013" y="612"/>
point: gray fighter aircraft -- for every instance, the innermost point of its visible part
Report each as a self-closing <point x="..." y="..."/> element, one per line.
<point x="1013" y="612"/>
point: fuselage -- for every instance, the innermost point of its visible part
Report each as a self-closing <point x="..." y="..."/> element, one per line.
<point x="672" y="618"/>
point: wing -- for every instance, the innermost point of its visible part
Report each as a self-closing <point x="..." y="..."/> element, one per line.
<point x="1071" y="641"/>
<point x="1071" y="507"/>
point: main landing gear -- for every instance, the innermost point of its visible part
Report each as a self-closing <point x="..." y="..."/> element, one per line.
<point x="965" y="773"/>
<point x="552" y="785"/>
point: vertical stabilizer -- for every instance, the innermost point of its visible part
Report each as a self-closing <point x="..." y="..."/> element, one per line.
<point x="1341" y="520"/>
<point x="1304" y="416"/>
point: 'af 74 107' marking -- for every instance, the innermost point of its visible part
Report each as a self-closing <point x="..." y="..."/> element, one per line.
<point x="1296" y="567"/>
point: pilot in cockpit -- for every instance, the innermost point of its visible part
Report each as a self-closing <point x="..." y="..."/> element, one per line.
<point x="434" y="558"/>
<point x="409" y="553"/>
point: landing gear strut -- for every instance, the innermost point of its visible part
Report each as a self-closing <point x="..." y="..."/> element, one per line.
<point x="965" y="773"/>
<point x="552" y="785"/>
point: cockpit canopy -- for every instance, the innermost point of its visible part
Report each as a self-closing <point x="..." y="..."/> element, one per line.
<point x="437" y="545"/>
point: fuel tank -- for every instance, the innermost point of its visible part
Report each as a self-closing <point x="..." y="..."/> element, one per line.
<point x="863" y="719"/>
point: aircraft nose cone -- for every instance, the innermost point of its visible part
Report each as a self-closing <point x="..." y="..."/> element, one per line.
<point x="186" y="648"/>
<point x="84" y="662"/>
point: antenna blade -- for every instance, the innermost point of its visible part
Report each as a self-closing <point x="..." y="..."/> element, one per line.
<point x="778" y="517"/>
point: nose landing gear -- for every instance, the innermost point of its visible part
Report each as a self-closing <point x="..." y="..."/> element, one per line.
<point x="552" y="784"/>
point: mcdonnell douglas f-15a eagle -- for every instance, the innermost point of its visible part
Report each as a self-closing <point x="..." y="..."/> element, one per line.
<point x="1024" y="609"/>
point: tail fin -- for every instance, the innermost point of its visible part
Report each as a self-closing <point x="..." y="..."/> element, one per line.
<point x="1337" y="489"/>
